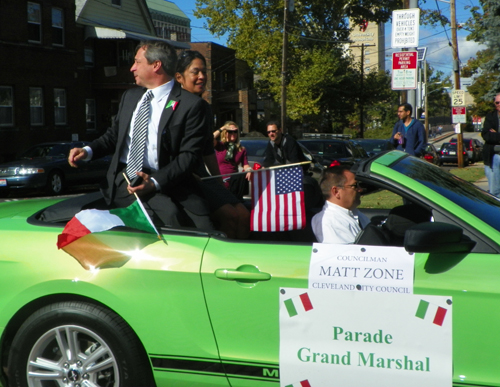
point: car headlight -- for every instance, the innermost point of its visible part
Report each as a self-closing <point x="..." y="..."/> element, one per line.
<point x="18" y="171"/>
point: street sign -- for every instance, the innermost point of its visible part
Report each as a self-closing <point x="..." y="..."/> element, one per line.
<point x="421" y="53"/>
<point x="458" y="98"/>
<point x="405" y="27"/>
<point x="404" y="70"/>
<point x="458" y="115"/>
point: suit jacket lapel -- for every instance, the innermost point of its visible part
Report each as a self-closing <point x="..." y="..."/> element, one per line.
<point x="174" y="96"/>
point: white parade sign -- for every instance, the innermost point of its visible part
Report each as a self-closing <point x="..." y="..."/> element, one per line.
<point x="379" y="269"/>
<point x="458" y="115"/>
<point x="405" y="28"/>
<point x="404" y="70"/>
<point x="355" y="339"/>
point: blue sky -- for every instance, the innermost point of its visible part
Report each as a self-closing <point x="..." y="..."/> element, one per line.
<point x="439" y="54"/>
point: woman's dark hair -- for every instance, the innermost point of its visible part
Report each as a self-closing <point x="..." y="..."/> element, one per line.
<point x="185" y="59"/>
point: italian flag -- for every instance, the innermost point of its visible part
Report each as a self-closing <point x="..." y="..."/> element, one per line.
<point x="428" y="311"/>
<point x="298" y="304"/>
<point x="304" y="383"/>
<point x="83" y="238"/>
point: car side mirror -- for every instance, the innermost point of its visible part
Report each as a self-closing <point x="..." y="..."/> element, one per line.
<point x="437" y="237"/>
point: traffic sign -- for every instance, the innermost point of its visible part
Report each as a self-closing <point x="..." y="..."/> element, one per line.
<point x="458" y="98"/>
<point x="405" y="27"/>
<point x="404" y="70"/>
<point x="458" y="115"/>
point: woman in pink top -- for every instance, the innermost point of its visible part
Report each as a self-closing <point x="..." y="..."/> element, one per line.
<point x="230" y="156"/>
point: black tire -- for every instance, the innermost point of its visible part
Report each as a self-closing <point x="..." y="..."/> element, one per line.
<point x="55" y="183"/>
<point x="107" y="351"/>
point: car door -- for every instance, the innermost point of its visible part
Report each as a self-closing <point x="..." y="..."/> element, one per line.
<point x="241" y="281"/>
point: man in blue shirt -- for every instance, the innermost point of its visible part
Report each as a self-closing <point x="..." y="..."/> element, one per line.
<point x="408" y="134"/>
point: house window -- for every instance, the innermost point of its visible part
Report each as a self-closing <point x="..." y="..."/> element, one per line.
<point x="36" y="106"/>
<point x="6" y="106"/>
<point x="34" y="22"/>
<point x="57" y="27"/>
<point x="90" y="113"/>
<point x="60" y="106"/>
<point x="116" y="2"/>
<point x="89" y="56"/>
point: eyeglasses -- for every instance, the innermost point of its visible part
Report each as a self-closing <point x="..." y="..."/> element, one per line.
<point x="271" y="131"/>
<point x="497" y="102"/>
<point x="357" y="185"/>
<point x="231" y="131"/>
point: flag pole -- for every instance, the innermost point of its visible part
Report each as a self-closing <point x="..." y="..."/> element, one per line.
<point x="143" y="209"/>
<point x="256" y="170"/>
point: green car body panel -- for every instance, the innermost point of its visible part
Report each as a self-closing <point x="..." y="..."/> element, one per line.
<point x="205" y="308"/>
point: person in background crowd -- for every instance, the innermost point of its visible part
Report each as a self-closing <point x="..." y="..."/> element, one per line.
<point x="161" y="149"/>
<point x="282" y="148"/>
<point x="408" y="134"/>
<point x="227" y="211"/>
<point x="231" y="155"/>
<point x="491" y="137"/>
<point x="339" y="221"/>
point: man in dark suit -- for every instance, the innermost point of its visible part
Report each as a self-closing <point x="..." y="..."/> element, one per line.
<point x="176" y="127"/>
<point x="491" y="137"/>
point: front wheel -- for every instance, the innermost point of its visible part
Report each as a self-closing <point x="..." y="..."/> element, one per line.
<point x="55" y="183"/>
<point x="77" y="344"/>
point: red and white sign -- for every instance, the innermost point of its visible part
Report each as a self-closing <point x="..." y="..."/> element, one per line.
<point x="458" y="114"/>
<point x="404" y="70"/>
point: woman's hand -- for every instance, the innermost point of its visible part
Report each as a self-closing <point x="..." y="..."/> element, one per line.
<point x="248" y="169"/>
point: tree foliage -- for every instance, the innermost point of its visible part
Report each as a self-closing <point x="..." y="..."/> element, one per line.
<point x="322" y="81"/>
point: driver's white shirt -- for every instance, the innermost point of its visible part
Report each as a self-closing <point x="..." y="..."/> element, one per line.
<point x="335" y="224"/>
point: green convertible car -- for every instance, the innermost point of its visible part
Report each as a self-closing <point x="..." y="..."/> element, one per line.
<point x="199" y="309"/>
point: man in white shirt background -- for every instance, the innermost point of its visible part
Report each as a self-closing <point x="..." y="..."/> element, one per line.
<point x="339" y="221"/>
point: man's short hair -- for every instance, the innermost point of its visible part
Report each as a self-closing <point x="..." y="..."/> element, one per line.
<point x="407" y="107"/>
<point x="162" y="51"/>
<point x="277" y="123"/>
<point x="332" y="177"/>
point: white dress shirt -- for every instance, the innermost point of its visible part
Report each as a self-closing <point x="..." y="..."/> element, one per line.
<point x="335" y="224"/>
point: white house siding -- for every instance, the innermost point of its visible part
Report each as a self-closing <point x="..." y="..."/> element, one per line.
<point x="131" y="16"/>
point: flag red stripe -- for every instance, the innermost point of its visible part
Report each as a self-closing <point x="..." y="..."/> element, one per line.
<point x="306" y="301"/>
<point x="439" y="318"/>
<point x="269" y="203"/>
<point x="305" y="383"/>
<point x="73" y="230"/>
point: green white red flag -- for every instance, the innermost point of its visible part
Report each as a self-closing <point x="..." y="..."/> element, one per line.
<point x="84" y="239"/>
<point x="431" y="312"/>
<point x="298" y="304"/>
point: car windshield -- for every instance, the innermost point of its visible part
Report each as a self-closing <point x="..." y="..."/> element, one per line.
<point x="372" y="146"/>
<point x="479" y="203"/>
<point x="48" y="150"/>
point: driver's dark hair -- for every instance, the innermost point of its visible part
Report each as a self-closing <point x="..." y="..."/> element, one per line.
<point x="332" y="177"/>
<point x="407" y="107"/>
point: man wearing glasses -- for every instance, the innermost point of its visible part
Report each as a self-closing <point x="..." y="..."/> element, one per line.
<point x="282" y="148"/>
<point x="491" y="136"/>
<point x="339" y="221"/>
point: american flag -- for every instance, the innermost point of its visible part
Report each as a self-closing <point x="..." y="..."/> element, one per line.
<point x="278" y="200"/>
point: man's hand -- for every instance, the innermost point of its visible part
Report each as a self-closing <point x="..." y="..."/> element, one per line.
<point x="75" y="155"/>
<point x="397" y="136"/>
<point x="146" y="187"/>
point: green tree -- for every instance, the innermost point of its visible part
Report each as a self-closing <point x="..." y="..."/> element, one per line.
<point x="322" y="82"/>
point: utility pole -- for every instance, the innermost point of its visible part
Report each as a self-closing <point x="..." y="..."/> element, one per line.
<point x="361" y="87"/>
<point x="456" y="69"/>
<point x="426" y="122"/>
<point x="283" y="68"/>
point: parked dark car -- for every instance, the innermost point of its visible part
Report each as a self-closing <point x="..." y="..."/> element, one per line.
<point x="45" y="167"/>
<point x="373" y="146"/>
<point x="328" y="149"/>
<point x="449" y="154"/>
<point x="432" y="155"/>
<point x="474" y="148"/>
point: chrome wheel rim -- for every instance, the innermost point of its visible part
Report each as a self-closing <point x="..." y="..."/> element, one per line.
<point x="72" y="356"/>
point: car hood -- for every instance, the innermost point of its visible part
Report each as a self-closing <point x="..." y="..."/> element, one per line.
<point x="24" y="208"/>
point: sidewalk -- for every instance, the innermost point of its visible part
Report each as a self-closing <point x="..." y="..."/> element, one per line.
<point x="482" y="183"/>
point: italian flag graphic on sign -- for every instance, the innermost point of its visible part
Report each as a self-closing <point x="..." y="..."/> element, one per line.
<point x="298" y="304"/>
<point x="428" y="311"/>
<point x="304" y="383"/>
